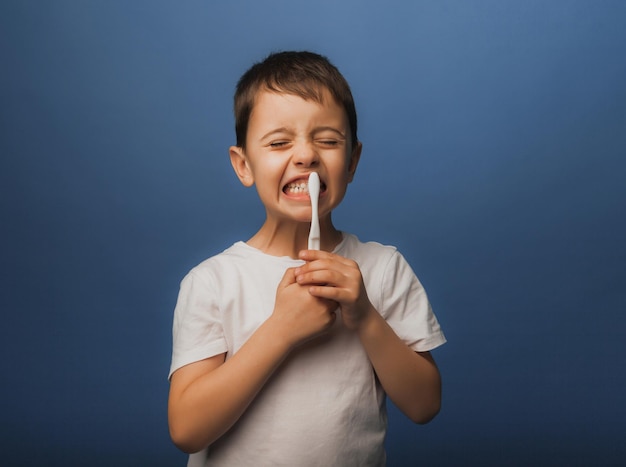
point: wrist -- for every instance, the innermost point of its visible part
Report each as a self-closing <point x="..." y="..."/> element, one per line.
<point x="367" y="320"/>
<point x="276" y="336"/>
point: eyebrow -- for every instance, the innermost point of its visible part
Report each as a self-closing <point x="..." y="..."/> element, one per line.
<point x="315" y="131"/>
<point x="329" y="128"/>
<point x="273" y="132"/>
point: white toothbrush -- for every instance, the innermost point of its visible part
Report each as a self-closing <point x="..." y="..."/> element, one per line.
<point x="314" y="193"/>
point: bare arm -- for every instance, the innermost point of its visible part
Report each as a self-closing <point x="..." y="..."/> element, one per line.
<point x="411" y="379"/>
<point x="207" y="397"/>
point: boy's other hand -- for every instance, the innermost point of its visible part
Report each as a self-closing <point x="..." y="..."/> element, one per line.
<point x="333" y="277"/>
<point x="299" y="314"/>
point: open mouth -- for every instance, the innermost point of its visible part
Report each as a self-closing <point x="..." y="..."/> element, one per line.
<point x="300" y="187"/>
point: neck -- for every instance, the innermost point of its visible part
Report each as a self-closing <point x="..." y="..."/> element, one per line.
<point x="288" y="238"/>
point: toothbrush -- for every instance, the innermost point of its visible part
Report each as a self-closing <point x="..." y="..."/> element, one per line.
<point x="314" y="193"/>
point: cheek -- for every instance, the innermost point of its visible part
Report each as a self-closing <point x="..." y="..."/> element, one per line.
<point x="342" y="171"/>
<point x="268" y="178"/>
<point x="268" y="169"/>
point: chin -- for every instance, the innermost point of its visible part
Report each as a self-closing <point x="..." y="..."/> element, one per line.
<point x="302" y="219"/>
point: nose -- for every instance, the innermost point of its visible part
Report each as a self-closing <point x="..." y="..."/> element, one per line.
<point x="305" y="155"/>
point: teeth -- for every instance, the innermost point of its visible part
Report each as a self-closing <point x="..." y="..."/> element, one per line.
<point x="297" y="188"/>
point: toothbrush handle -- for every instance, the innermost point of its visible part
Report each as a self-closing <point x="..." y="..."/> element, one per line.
<point x="314" y="236"/>
<point x="314" y="243"/>
<point x="314" y="233"/>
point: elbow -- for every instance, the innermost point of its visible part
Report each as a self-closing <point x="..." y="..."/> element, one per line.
<point x="423" y="413"/>
<point x="429" y="403"/>
<point x="183" y="439"/>
<point x="183" y="443"/>
<point x="425" y="416"/>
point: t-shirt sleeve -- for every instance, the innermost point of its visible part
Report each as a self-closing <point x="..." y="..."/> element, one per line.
<point x="406" y="308"/>
<point x="197" y="330"/>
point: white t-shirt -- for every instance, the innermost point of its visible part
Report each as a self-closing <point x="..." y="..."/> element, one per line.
<point x="324" y="405"/>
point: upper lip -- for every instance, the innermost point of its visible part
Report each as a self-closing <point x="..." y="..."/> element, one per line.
<point x="303" y="178"/>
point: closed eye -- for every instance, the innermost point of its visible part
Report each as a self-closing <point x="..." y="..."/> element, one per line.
<point x="278" y="144"/>
<point x="328" y="142"/>
<point x="328" y="137"/>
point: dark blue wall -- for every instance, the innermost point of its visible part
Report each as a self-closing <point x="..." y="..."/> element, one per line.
<point x="494" y="156"/>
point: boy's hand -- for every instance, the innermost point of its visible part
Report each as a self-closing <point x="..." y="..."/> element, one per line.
<point x="336" y="278"/>
<point x="300" y="315"/>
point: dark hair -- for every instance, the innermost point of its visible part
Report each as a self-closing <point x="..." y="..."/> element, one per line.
<point x="304" y="74"/>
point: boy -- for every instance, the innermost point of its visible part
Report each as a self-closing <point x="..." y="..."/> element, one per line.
<point x="283" y="355"/>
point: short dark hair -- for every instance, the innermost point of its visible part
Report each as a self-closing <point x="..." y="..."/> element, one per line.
<point x="304" y="74"/>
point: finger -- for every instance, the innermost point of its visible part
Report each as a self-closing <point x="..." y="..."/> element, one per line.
<point x="288" y="278"/>
<point x="317" y="274"/>
<point x="315" y="256"/>
<point x="311" y="255"/>
<point x="339" y="277"/>
<point x="332" y="263"/>
<point x="308" y="268"/>
<point x="334" y="294"/>
<point x="314" y="278"/>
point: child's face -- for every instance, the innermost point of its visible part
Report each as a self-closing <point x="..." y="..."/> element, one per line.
<point x="288" y="138"/>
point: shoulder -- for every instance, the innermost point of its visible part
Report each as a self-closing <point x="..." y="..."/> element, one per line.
<point x="382" y="263"/>
<point x="239" y="263"/>
<point x="218" y="265"/>
<point x="367" y="253"/>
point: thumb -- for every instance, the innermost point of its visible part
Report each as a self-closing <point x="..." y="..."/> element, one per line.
<point x="288" y="278"/>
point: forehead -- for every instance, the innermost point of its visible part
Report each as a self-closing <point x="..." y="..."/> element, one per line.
<point x="270" y="106"/>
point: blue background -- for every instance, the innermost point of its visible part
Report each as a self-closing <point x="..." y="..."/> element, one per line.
<point x="494" y="157"/>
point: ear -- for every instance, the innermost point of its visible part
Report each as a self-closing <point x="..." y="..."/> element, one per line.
<point x="354" y="161"/>
<point x="240" y="165"/>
